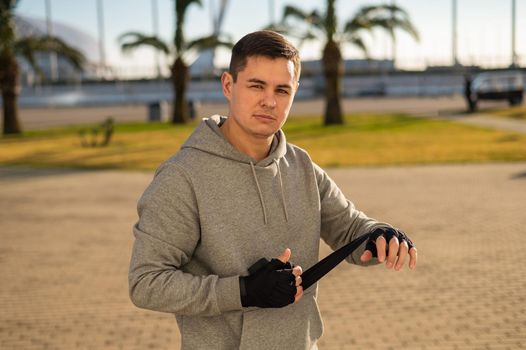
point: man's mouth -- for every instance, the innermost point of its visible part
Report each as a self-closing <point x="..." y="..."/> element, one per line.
<point x="264" y="116"/>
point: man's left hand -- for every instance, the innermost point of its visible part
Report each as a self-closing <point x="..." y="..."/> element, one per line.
<point x="393" y="254"/>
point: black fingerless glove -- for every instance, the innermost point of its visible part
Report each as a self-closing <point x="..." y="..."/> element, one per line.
<point x="270" y="284"/>
<point x="387" y="233"/>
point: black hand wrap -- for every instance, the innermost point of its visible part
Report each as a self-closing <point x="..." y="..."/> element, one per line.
<point x="270" y="284"/>
<point x="387" y="233"/>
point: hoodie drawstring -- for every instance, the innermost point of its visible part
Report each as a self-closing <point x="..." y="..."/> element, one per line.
<point x="261" y="195"/>
<point x="259" y="192"/>
<point x="282" y="193"/>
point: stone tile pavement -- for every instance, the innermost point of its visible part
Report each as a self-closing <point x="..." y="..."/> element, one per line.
<point x="65" y="241"/>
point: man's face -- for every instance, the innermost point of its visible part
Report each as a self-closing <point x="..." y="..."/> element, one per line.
<point x="261" y="98"/>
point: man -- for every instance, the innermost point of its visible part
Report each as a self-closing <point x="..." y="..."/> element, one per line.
<point x="236" y="192"/>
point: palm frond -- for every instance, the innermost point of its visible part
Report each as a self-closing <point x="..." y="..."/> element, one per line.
<point x="8" y="5"/>
<point x="408" y="27"/>
<point x="184" y="4"/>
<point x="133" y="40"/>
<point x="313" y="18"/>
<point x="359" y="43"/>
<point x="28" y="46"/>
<point x="387" y="17"/>
<point x="313" y="29"/>
<point x="383" y="11"/>
<point x="390" y="24"/>
<point x="208" y="42"/>
<point x="294" y="12"/>
<point x="316" y="19"/>
<point x="356" y="24"/>
<point x="307" y="36"/>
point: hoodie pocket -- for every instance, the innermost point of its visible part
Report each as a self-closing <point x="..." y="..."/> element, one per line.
<point x="221" y="332"/>
<point x="296" y="326"/>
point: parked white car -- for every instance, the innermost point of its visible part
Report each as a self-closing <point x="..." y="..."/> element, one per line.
<point x="498" y="85"/>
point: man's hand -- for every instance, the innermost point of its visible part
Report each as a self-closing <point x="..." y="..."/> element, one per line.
<point x="296" y="271"/>
<point x="272" y="284"/>
<point x="399" y="247"/>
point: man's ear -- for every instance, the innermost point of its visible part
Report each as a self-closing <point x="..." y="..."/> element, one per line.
<point x="227" y="80"/>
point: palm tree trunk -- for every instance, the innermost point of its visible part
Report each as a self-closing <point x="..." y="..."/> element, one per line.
<point x="10" y="89"/>
<point x="333" y="72"/>
<point x="180" y="83"/>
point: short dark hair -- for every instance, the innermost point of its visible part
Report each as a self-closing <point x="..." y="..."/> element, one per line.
<point x="263" y="43"/>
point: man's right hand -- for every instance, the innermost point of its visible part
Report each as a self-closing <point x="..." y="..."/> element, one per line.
<point x="272" y="284"/>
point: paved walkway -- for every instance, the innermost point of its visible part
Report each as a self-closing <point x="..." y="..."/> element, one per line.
<point x="66" y="240"/>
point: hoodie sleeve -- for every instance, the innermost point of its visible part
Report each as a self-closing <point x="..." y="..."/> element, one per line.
<point x="341" y="222"/>
<point x="165" y="238"/>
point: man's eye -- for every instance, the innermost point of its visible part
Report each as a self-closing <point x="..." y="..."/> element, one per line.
<point x="259" y="87"/>
<point x="283" y="91"/>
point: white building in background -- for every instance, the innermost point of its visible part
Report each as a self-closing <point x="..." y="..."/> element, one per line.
<point x="74" y="37"/>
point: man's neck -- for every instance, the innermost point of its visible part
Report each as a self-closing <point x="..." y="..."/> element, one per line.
<point x="256" y="148"/>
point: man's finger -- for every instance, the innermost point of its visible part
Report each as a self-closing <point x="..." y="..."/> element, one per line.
<point x="297" y="271"/>
<point x="413" y="257"/>
<point x="285" y="256"/>
<point x="380" y="248"/>
<point x="394" y="245"/>
<point x="366" y="256"/>
<point x="402" y="253"/>
<point x="298" y="281"/>
<point x="299" y="294"/>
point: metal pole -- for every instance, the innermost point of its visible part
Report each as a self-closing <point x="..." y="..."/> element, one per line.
<point x="454" y="34"/>
<point x="213" y="15"/>
<point x="513" y="19"/>
<point x="102" y="51"/>
<point x="221" y="15"/>
<point x="155" y="25"/>
<point x="53" y="66"/>
<point x="393" y="38"/>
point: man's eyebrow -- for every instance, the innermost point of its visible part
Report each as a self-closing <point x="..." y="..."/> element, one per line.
<point x="259" y="81"/>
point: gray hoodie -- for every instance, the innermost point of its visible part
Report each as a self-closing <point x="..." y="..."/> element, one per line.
<point x="210" y="213"/>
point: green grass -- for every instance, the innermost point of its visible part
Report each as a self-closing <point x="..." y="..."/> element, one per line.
<point x="366" y="140"/>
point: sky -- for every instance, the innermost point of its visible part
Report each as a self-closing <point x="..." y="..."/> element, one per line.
<point x="483" y="28"/>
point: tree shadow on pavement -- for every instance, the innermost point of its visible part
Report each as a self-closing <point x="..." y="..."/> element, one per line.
<point x="521" y="175"/>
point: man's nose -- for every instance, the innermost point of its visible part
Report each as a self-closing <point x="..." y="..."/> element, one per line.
<point x="269" y="100"/>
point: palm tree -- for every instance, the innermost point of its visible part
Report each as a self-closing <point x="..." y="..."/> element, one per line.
<point x="10" y="47"/>
<point x="180" y="50"/>
<point x="325" y="27"/>
<point x="390" y="18"/>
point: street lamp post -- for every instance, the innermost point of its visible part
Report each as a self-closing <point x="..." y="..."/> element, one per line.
<point x="53" y="65"/>
<point x="393" y="38"/>
<point x="102" y="51"/>
<point x="454" y="34"/>
<point x="155" y="25"/>
<point x="513" y="52"/>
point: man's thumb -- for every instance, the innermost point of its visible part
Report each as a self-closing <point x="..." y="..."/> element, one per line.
<point x="285" y="256"/>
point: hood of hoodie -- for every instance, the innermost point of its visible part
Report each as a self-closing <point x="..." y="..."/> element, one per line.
<point x="207" y="137"/>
